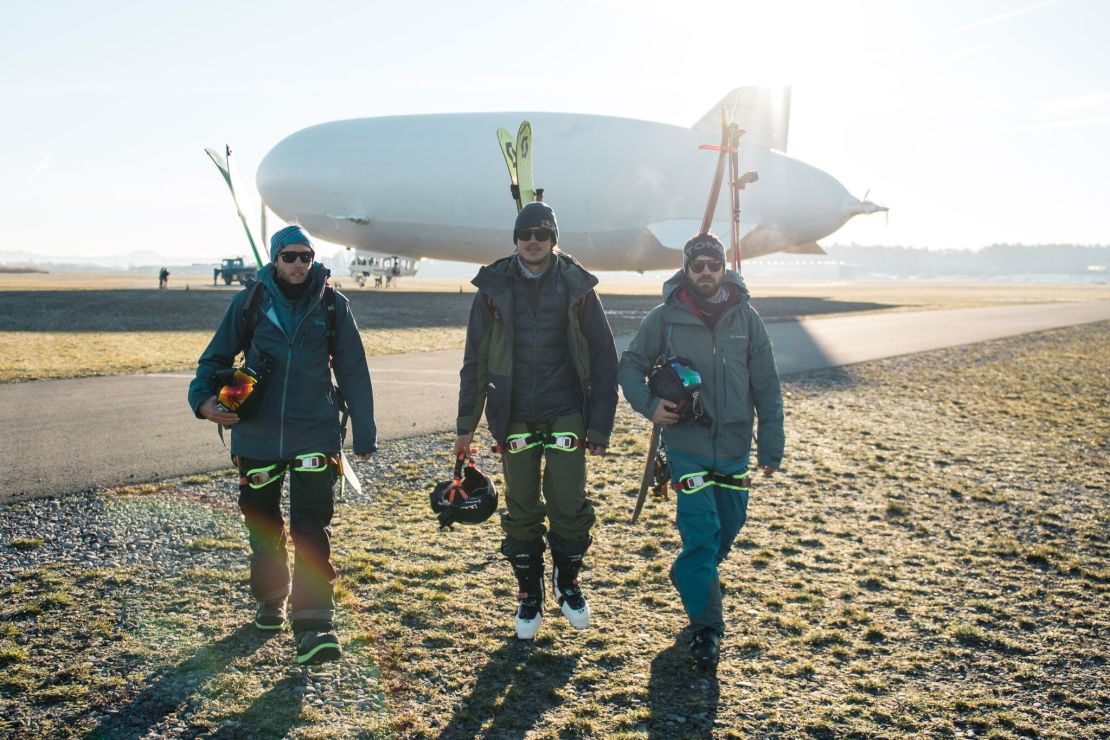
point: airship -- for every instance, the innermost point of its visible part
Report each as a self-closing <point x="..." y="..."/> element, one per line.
<point x="628" y="193"/>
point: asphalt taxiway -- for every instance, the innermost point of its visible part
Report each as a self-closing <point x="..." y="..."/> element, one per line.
<point x="61" y="436"/>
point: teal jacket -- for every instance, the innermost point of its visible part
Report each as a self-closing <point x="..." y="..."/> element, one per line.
<point x="485" y="381"/>
<point x="737" y="366"/>
<point x="299" y="411"/>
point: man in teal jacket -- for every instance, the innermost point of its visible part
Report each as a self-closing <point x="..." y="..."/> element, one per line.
<point x="706" y="320"/>
<point x="295" y="428"/>
<point x="541" y="363"/>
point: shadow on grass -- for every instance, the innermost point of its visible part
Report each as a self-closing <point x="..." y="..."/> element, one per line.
<point x="517" y="686"/>
<point x="683" y="699"/>
<point x="274" y="713"/>
<point x="170" y="688"/>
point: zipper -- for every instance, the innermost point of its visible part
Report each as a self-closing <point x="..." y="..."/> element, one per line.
<point x="289" y="366"/>
<point x="284" y="392"/>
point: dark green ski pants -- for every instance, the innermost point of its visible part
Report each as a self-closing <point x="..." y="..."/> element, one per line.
<point x="563" y="484"/>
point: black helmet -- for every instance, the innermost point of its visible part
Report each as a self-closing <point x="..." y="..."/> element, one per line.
<point x="469" y="497"/>
<point x="675" y="379"/>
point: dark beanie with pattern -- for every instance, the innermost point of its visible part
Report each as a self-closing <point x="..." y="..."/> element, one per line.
<point x="707" y="244"/>
<point x="537" y="215"/>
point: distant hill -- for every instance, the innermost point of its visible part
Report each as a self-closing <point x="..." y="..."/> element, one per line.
<point x="997" y="260"/>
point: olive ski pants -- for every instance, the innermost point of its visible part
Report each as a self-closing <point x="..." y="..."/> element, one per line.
<point x="558" y="445"/>
<point x="312" y="479"/>
<point x="712" y="507"/>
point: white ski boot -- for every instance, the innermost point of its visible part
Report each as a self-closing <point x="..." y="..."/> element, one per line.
<point x="529" y="615"/>
<point x="570" y="598"/>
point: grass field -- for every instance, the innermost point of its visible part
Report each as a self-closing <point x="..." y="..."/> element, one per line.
<point x="63" y="326"/>
<point x="931" y="562"/>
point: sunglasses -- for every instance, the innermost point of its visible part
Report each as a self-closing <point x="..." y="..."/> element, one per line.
<point x="713" y="265"/>
<point x="291" y="257"/>
<point x="541" y="235"/>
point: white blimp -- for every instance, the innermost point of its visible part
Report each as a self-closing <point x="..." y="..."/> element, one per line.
<point x="628" y="193"/>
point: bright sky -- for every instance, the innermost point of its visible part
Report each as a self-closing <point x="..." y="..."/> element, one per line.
<point x="977" y="121"/>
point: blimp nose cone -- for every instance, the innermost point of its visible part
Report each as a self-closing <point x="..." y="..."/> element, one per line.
<point x="855" y="207"/>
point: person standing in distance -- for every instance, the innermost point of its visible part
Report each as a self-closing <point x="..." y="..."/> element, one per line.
<point x="541" y="363"/>
<point x="706" y="320"/>
<point x="295" y="429"/>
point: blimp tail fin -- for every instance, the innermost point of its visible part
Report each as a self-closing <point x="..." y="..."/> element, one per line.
<point x="761" y="111"/>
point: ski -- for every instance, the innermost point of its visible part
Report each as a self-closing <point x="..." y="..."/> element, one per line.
<point x="223" y="164"/>
<point x="524" y="164"/>
<point x="649" y="470"/>
<point x="736" y="182"/>
<point x="656" y="476"/>
<point x="508" y="150"/>
<point x="715" y="188"/>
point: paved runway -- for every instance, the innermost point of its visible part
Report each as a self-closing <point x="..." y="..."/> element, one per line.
<point x="61" y="436"/>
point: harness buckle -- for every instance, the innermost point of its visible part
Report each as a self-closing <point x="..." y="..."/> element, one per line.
<point x="566" y="442"/>
<point x="695" y="482"/>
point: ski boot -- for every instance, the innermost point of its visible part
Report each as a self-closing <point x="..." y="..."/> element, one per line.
<point x="564" y="583"/>
<point x="705" y="646"/>
<point x="527" y="562"/>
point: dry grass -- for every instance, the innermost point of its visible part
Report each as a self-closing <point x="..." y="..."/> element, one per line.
<point x="64" y="326"/>
<point x="932" y="562"/>
<point x="44" y="355"/>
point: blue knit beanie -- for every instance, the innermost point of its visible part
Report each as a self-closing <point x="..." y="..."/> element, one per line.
<point x="537" y="215"/>
<point x="285" y="237"/>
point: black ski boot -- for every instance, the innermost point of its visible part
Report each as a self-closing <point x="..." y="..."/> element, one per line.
<point x="705" y="646"/>
<point x="527" y="561"/>
<point x="566" y="558"/>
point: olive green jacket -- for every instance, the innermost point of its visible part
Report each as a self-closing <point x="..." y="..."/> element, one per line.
<point x="485" y="381"/>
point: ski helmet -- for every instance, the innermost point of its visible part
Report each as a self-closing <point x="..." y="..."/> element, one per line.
<point x="675" y="379"/>
<point x="468" y="498"/>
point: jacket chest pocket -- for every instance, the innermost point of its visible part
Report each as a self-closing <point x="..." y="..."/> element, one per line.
<point x="733" y="349"/>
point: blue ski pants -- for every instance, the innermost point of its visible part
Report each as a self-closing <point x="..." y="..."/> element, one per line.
<point x="709" y="517"/>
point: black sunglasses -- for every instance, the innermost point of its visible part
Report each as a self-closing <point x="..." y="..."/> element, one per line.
<point x="713" y="265"/>
<point x="291" y="257"/>
<point x="542" y="235"/>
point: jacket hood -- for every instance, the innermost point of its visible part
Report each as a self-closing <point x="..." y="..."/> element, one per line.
<point x="676" y="281"/>
<point x="497" y="277"/>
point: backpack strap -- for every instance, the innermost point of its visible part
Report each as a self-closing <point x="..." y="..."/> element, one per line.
<point x="249" y="318"/>
<point x="329" y="316"/>
<point x="491" y="305"/>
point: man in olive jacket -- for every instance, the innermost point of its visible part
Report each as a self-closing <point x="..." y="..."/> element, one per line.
<point x="295" y="429"/>
<point x="541" y="363"/>
<point x="706" y="320"/>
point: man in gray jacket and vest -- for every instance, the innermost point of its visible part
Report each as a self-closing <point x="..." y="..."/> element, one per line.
<point x="541" y="363"/>
<point x="707" y="325"/>
<point x="294" y="429"/>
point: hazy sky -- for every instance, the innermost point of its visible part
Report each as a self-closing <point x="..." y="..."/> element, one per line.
<point x="977" y="121"/>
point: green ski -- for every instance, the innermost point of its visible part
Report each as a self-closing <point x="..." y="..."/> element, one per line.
<point x="223" y="165"/>
<point x="508" y="150"/>
<point x="524" y="164"/>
